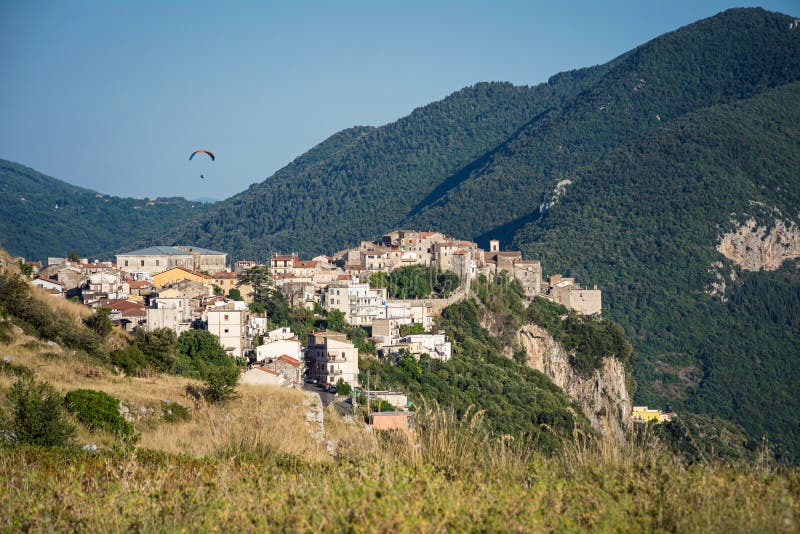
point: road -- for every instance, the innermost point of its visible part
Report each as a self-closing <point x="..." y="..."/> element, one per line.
<point x="342" y="404"/>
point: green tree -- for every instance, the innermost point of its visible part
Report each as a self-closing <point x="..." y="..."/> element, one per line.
<point x="39" y="417"/>
<point x="336" y="321"/>
<point x="343" y="388"/>
<point x="100" y="322"/>
<point x="260" y="280"/>
<point x="73" y="257"/>
<point x="235" y="294"/>
<point x="160" y="346"/>
<point x="378" y="279"/>
<point x="25" y="269"/>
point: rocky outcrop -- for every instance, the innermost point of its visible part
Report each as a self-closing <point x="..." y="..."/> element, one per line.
<point x="756" y="248"/>
<point x="603" y="397"/>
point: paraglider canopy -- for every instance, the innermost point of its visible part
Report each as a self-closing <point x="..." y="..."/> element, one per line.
<point x="203" y="152"/>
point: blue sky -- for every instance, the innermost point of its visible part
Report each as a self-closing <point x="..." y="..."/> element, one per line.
<point x="115" y="95"/>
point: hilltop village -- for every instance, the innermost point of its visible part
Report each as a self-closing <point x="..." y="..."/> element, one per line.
<point x="185" y="287"/>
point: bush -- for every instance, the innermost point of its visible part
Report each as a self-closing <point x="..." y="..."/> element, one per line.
<point x="221" y="382"/>
<point x="100" y="322"/>
<point x="175" y="413"/>
<point x="343" y="388"/>
<point x="130" y="359"/>
<point x="39" y="417"/>
<point x="98" y="411"/>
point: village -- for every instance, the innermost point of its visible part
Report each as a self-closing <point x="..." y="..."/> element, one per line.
<point x="186" y="287"/>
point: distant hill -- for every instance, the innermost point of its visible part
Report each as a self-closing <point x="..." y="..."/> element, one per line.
<point x="41" y="216"/>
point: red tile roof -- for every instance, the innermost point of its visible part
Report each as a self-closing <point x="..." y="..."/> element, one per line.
<point x="288" y="359"/>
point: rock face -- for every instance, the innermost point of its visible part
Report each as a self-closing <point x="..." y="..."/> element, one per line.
<point x="603" y="397"/>
<point x="754" y="248"/>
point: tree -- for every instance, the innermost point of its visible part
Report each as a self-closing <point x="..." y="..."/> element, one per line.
<point x="260" y="280"/>
<point x="336" y="321"/>
<point x="235" y="294"/>
<point x="73" y="257"/>
<point x="343" y="388"/>
<point x="378" y="279"/>
<point x="221" y="382"/>
<point x="160" y="346"/>
<point x="25" y="269"/>
<point x="100" y="322"/>
<point x="39" y="417"/>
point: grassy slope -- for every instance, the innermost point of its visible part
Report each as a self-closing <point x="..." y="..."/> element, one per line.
<point x="253" y="465"/>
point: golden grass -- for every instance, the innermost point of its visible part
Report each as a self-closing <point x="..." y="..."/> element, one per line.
<point x="61" y="306"/>
<point x="261" y="417"/>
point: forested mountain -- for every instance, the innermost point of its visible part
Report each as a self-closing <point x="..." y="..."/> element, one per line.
<point x="477" y="163"/>
<point x="645" y="220"/>
<point x="41" y="216"/>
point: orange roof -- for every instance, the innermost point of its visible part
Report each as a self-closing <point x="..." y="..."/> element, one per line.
<point x="201" y="275"/>
<point x="139" y="284"/>
<point x="307" y="263"/>
<point x="288" y="359"/>
<point x="270" y="371"/>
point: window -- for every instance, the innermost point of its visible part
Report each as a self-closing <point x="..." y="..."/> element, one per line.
<point x="226" y="318"/>
<point x="158" y="262"/>
<point x="142" y="262"/>
<point x="126" y="263"/>
<point x="226" y="330"/>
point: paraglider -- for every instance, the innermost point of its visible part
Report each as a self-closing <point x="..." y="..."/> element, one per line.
<point x="202" y="151"/>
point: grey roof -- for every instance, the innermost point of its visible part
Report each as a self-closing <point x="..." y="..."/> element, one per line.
<point x="179" y="250"/>
<point x="157" y="251"/>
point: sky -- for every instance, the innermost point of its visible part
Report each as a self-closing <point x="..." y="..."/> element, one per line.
<point x="114" y="96"/>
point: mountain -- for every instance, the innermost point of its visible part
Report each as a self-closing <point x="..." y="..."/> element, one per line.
<point x="647" y="220"/>
<point x="667" y="148"/>
<point x="494" y="149"/>
<point x="41" y="216"/>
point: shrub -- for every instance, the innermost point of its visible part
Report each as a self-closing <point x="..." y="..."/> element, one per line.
<point x="98" y="411"/>
<point x="221" y="382"/>
<point x="175" y="413"/>
<point x="343" y="388"/>
<point x="100" y="322"/>
<point x="39" y="417"/>
<point x="130" y="359"/>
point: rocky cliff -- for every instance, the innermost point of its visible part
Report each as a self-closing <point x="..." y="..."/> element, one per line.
<point x="755" y="248"/>
<point x="603" y="397"/>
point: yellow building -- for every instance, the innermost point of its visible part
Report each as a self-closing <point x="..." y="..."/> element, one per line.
<point x="177" y="274"/>
<point x="642" y="414"/>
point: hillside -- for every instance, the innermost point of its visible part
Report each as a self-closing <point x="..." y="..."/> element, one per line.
<point x="257" y="462"/>
<point x="646" y="221"/>
<point x="41" y="216"/>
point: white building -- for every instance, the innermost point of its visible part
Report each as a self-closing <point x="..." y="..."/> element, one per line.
<point x="434" y="345"/>
<point x="330" y="357"/>
<point x="280" y="347"/>
<point x="359" y="303"/>
<point x="229" y="326"/>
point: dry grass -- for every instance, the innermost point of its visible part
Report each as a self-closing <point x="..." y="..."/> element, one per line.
<point x="61" y="306"/>
<point x="260" y="419"/>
